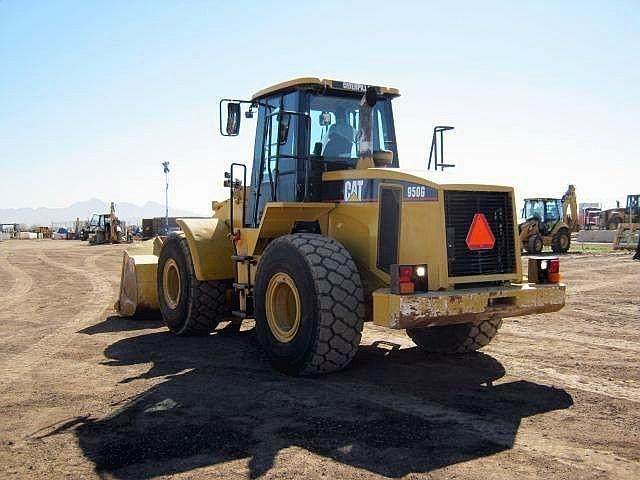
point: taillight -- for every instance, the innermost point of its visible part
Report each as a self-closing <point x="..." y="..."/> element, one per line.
<point x="407" y="279"/>
<point x="544" y="270"/>
<point x="404" y="274"/>
<point x="553" y="269"/>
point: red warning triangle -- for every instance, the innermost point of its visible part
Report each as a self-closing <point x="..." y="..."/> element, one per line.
<point x="480" y="236"/>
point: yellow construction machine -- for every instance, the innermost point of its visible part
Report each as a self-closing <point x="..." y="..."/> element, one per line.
<point x="105" y="228"/>
<point x="626" y="221"/>
<point x="612" y="218"/>
<point x="329" y="233"/>
<point x="549" y="222"/>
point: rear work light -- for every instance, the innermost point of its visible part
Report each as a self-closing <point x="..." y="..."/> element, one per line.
<point x="544" y="270"/>
<point x="407" y="279"/>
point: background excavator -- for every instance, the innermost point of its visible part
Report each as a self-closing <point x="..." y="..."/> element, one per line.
<point x="105" y="228"/>
<point x="549" y="221"/>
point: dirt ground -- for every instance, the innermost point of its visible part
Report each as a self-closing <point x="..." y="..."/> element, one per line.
<point x="86" y="394"/>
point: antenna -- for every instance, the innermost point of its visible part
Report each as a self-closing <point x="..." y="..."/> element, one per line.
<point x="433" y="154"/>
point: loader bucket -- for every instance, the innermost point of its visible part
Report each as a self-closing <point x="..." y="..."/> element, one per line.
<point x="138" y="290"/>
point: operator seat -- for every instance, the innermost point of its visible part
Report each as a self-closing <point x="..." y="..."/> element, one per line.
<point x="340" y="141"/>
<point x="338" y="146"/>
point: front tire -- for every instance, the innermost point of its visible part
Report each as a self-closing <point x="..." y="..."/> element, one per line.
<point x="309" y="304"/>
<point x="189" y="306"/>
<point x="535" y="244"/>
<point x="459" y="338"/>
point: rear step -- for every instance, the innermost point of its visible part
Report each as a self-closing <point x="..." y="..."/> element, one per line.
<point x="243" y="259"/>
<point x="244" y="289"/>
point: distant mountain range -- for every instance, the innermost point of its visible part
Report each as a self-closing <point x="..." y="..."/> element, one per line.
<point x="128" y="212"/>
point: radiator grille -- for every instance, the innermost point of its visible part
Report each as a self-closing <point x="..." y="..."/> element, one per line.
<point x="460" y="207"/>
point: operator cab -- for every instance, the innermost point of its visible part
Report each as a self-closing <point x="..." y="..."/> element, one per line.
<point x="547" y="211"/>
<point x="309" y="126"/>
<point x="633" y="205"/>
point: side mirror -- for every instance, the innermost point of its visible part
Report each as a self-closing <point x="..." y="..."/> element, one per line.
<point x="233" y="118"/>
<point x="284" y="119"/>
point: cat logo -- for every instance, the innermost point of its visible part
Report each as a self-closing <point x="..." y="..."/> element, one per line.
<point x="353" y="190"/>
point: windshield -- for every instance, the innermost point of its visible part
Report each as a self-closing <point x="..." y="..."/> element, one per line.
<point x="335" y="122"/>
<point x="534" y="209"/>
<point x="545" y="210"/>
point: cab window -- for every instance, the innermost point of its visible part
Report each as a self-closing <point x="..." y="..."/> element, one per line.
<point x="335" y="122"/>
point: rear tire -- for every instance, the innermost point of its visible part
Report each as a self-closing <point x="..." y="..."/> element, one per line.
<point x="189" y="306"/>
<point x="459" y="338"/>
<point x="309" y="304"/>
<point x="561" y="241"/>
<point x="535" y="244"/>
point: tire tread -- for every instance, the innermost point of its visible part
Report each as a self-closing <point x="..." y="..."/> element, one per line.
<point x="206" y="305"/>
<point x="463" y="338"/>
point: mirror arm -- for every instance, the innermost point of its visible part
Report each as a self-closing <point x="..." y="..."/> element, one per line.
<point x="252" y="103"/>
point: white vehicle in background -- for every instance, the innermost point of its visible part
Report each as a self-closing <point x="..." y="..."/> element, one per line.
<point x="60" y="234"/>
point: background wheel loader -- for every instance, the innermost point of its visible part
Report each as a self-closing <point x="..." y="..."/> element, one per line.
<point x="549" y="222"/>
<point x="612" y="218"/>
<point x="626" y="221"/>
<point x="329" y="233"/>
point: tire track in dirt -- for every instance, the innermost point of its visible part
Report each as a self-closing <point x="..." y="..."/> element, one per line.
<point x="630" y="390"/>
<point x="580" y="458"/>
<point x="501" y="433"/>
<point x="98" y="302"/>
<point x="616" y="279"/>
<point x="23" y="282"/>
<point x="618" y="344"/>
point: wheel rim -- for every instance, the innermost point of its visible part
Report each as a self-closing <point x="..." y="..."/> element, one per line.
<point x="282" y="302"/>
<point x="171" y="287"/>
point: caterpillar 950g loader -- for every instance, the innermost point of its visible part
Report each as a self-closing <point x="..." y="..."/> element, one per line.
<point x="330" y="233"/>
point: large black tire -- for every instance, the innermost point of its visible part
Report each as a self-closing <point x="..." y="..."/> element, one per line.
<point x="188" y="306"/>
<point x="309" y="305"/>
<point x="561" y="241"/>
<point x="459" y="338"/>
<point x="534" y="244"/>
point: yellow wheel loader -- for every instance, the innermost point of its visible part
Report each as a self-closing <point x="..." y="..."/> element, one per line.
<point x="329" y="233"/>
<point x="612" y="218"/>
<point x="549" y="222"/>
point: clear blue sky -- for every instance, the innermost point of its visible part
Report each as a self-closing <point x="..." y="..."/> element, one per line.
<point x="95" y="95"/>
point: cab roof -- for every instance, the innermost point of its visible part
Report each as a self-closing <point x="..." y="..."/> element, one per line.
<point x="321" y="83"/>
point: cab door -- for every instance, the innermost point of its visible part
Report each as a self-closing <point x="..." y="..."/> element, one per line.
<point x="274" y="177"/>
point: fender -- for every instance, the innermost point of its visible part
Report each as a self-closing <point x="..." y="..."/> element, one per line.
<point x="210" y="247"/>
<point x="278" y="219"/>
